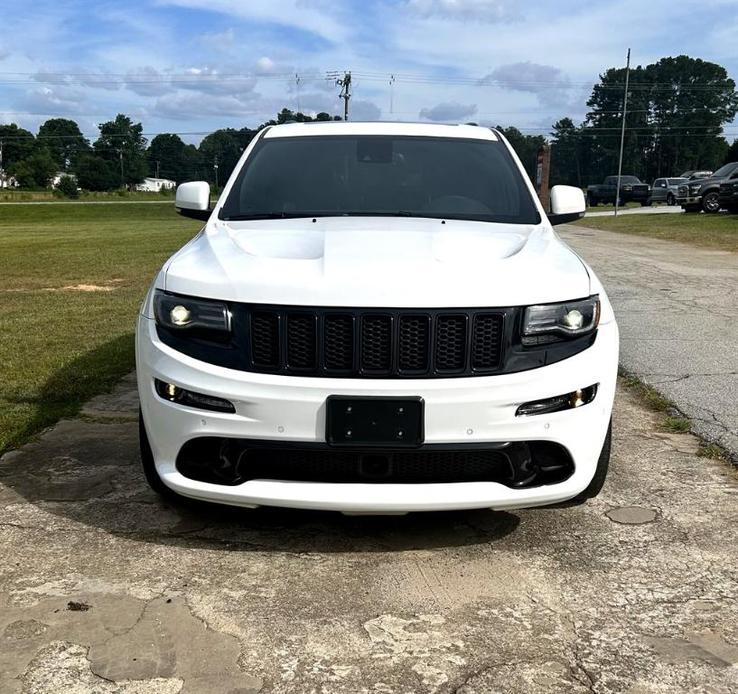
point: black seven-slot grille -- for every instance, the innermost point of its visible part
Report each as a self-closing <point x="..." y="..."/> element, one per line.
<point x="367" y="342"/>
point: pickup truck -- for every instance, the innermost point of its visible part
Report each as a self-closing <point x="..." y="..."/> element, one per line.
<point x="631" y="190"/>
<point x="728" y="193"/>
<point x="704" y="194"/>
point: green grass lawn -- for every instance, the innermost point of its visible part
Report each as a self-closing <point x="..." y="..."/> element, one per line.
<point x="707" y="230"/>
<point x="61" y="345"/>
<point x="47" y="195"/>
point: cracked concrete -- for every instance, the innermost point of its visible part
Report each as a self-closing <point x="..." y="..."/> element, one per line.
<point x="677" y="307"/>
<point x="199" y="599"/>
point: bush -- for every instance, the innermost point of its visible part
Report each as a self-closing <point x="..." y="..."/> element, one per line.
<point x="67" y="186"/>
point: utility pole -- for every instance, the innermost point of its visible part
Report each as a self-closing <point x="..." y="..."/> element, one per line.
<point x="345" y="84"/>
<point x="622" y="132"/>
<point x="297" y="87"/>
<point x="120" y="156"/>
<point x="215" y="167"/>
<point x="157" y="168"/>
<point x="392" y="92"/>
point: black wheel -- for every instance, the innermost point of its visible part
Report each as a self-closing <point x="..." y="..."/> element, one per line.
<point x="691" y="208"/>
<point x="592" y="201"/>
<point x="603" y="463"/>
<point x="646" y="203"/>
<point x="710" y="202"/>
<point x="149" y="468"/>
<point x="670" y="199"/>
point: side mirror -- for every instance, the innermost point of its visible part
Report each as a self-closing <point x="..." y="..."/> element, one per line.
<point x="567" y="204"/>
<point x="193" y="200"/>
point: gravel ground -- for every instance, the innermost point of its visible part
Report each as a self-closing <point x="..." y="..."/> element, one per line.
<point x="677" y="308"/>
<point x="106" y="589"/>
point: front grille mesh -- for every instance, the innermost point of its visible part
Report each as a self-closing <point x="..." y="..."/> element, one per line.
<point x="340" y="342"/>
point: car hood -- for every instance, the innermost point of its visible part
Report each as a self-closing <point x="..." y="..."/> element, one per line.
<point x="709" y="179"/>
<point x="383" y="262"/>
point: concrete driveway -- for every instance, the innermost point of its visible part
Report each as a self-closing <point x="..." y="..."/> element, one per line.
<point x="105" y="589"/>
<point x="654" y="209"/>
<point x="677" y="307"/>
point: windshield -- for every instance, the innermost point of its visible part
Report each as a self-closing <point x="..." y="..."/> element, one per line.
<point x="445" y="178"/>
<point x="676" y="181"/>
<point x="725" y="170"/>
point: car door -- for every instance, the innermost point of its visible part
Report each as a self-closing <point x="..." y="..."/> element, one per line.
<point x="659" y="190"/>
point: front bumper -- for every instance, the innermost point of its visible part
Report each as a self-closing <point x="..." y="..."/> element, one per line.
<point x="469" y="410"/>
<point x="689" y="200"/>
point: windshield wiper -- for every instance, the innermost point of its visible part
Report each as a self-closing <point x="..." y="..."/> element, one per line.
<point x="262" y="215"/>
<point x="376" y="213"/>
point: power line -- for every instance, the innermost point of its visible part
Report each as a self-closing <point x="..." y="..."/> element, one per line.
<point x="188" y="79"/>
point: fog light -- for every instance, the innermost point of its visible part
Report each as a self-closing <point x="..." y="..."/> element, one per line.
<point x="568" y="401"/>
<point x="180" y="315"/>
<point x="189" y="398"/>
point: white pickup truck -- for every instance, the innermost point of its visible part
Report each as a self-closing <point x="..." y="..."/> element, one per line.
<point x="377" y="318"/>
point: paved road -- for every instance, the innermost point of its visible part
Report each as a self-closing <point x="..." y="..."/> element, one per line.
<point x="677" y="307"/>
<point x="655" y="209"/>
<point x="105" y="589"/>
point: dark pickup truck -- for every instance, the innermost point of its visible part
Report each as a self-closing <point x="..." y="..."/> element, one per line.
<point x="728" y="194"/>
<point x="631" y="190"/>
<point x="705" y="193"/>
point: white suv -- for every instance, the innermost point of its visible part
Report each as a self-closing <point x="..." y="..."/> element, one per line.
<point x="377" y="318"/>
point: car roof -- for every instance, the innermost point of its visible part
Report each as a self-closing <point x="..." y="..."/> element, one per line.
<point x="473" y="132"/>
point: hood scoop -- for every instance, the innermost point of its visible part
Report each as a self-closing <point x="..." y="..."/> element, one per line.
<point x="282" y="244"/>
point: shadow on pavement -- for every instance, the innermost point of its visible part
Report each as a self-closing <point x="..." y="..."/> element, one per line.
<point x="87" y="471"/>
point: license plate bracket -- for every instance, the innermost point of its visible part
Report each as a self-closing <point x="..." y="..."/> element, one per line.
<point x="379" y="422"/>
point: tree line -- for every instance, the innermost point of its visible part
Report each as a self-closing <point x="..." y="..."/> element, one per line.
<point x="677" y="108"/>
<point x="121" y="156"/>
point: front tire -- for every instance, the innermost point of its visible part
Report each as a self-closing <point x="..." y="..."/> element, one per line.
<point x="646" y="203"/>
<point x="670" y="199"/>
<point x="603" y="464"/>
<point x="710" y="203"/>
<point x="592" y="201"/>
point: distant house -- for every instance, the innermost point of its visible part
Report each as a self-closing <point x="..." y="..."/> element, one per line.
<point x="58" y="177"/>
<point x="7" y="181"/>
<point x="154" y="185"/>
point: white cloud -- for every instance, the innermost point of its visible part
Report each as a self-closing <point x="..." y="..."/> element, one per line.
<point x="56" y="99"/>
<point x="307" y="16"/>
<point x="184" y="107"/>
<point x="480" y="10"/>
<point x="97" y="80"/>
<point x="448" y="111"/>
<point x="219" y="40"/>
<point x="147" y="81"/>
<point x="363" y="110"/>
<point x="265" y="66"/>
<point x="547" y="82"/>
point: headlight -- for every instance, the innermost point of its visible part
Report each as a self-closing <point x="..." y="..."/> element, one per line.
<point x="185" y="313"/>
<point x="551" y="322"/>
<point x="695" y="188"/>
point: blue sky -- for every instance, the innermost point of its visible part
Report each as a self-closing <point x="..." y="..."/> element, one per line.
<point x="191" y="66"/>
